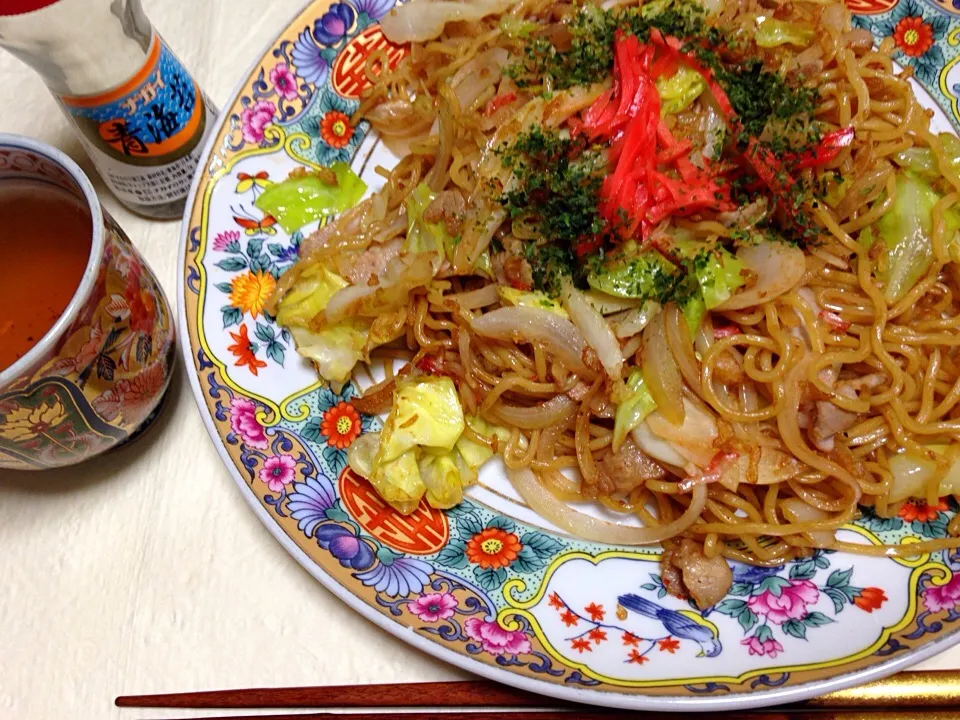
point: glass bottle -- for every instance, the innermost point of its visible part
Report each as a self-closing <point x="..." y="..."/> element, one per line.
<point x="138" y="112"/>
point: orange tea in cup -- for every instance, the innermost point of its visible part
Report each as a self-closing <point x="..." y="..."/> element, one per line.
<point x="45" y="234"/>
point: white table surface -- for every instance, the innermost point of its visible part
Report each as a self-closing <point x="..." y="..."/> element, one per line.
<point x="145" y="571"/>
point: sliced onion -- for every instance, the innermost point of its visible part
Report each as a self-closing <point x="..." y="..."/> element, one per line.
<point x="693" y="438"/>
<point x="778" y="267"/>
<point x="555" y="411"/>
<point x="630" y="322"/>
<point x="477" y="75"/>
<point x="660" y="371"/>
<point x="835" y="17"/>
<point x="421" y="20"/>
<point x="746" y="216"/>
<point x="911" y="476"/>
<point x="558" y="335"/>
<point x="595" y="329"/>
<point x="559" y="485"/>
<point x="569" y="102"/>
<point x="400" y="118"/>
<point x="681" y="345"/>
<point x="796" y="510"/>
<point x="713" y="125"/>
<point x="656" y="447"/>
<point x="608" y="304"/>
<point x="581" y="525"/>
<point x="764" y="467"/>
<point x="474" y="299"/>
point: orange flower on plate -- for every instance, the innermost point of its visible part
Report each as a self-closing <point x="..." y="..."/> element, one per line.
<point x="668" y="644"/>
<point x="922" y="512"/>
<point x="597" y="635"/>
<point x="870" y="599"/>
<point x="493" y="548"/>
<point x="335" y="129"/>
<point x="595" y="612"/>
<point x="341" y="425"/>
<point x="913" y="36"/>
<point x="581" y="644"/>
<point x="636" y="657"/>
<point x="249" y="292"/>
<point x="242" y="349"/>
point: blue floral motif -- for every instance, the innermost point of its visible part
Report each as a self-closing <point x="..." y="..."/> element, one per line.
<point x="345" y="546"/>
<point x="334" y="24"/>
<point x="743" y="573"/>
<point x="400" y="577"/>
<point x="309" y="59"/>
<point x="310" y="502"/>
<point x="373" y="9"/>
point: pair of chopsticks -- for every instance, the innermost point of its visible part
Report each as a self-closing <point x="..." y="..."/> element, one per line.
<point x="937" y="693"/>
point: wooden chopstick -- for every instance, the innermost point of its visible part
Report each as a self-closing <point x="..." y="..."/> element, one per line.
<point x="473" y="693"/>
<point x="589" y="715"/>
<point x="930" y="689"/>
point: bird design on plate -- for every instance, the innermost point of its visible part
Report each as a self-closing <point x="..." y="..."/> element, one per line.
<point x="656" y="622"/>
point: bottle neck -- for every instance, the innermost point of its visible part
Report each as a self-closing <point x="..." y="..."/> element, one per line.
<point x="80" y="47"/>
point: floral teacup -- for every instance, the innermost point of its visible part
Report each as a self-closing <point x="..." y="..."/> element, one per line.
<point x="99" y="374"/>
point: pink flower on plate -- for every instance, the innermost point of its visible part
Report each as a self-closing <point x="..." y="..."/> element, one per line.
<point x="432" y="607"/>
<point x="255" y="119"/>
<point x="790" y="605"/>
<point x="244" y="423"/>
<point x="223" y="239"/>
<point x="284" y="81"/>
<point x="762" y="647"/>
<point x="494" y="639"/>
<point x="278" y="471"/>
<point x="944" y="597"/>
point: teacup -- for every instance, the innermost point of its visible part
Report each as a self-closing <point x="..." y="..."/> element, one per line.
<point x="98" y="376"/>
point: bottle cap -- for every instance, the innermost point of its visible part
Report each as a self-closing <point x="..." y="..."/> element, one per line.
<point x="21" y="7"/>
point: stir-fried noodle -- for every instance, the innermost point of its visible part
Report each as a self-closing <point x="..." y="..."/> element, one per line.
<point x="787" y="359"/>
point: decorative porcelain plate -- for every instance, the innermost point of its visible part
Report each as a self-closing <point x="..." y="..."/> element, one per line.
<point x="489" y="586"/>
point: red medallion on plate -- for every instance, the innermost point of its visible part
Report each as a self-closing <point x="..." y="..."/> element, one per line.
<point x="349" y="76"/>
<point x="870" y="7"/>
<point x="421" y="533"/>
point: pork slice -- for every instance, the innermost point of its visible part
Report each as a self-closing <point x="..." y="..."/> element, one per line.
<point x="629" y="468"/>
<point x="706" y="580"/>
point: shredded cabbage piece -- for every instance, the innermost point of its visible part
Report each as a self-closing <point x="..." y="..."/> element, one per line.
<point x="315" y="285"/>
<point x="426" y="413"/>
<point x="772" y="33"/>
<point x="633" y="410"/>
<point x="718" y="275"/>
<point x="297" y="201"/>
<point x="423" y="236"/>
<point x="534" y="299"/>
<point x="334" y="349"/>
<point x="441" y="476"/>
<point x="678" y="91"/>
<point x="906" y="229"/>
<point x="399" y="482"/>
<point x="634" y="274"/>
